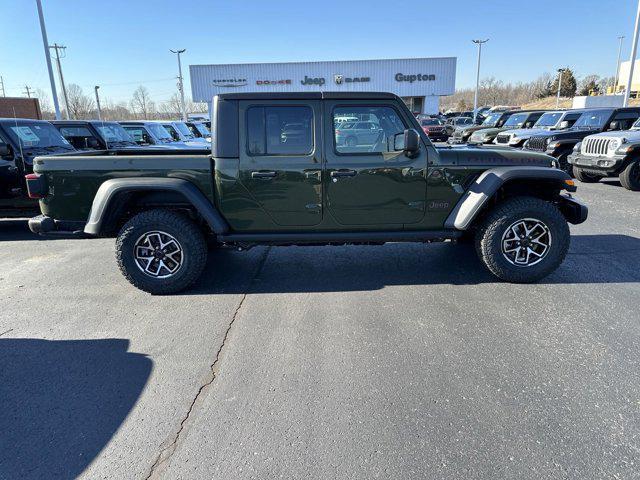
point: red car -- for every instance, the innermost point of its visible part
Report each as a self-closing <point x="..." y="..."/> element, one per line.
<point x="434" y="128"/>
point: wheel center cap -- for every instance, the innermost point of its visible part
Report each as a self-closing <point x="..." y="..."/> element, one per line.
<point x="159" y="254"/>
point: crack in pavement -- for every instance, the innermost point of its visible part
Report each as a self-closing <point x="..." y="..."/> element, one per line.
<point x="166" y="453"/>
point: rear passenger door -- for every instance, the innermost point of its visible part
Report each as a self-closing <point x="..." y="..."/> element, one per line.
<point x="281" y="159"/>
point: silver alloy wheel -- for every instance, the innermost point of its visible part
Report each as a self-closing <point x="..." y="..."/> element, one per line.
<point x="526" y="242"/>
<point x="158" y="254"/>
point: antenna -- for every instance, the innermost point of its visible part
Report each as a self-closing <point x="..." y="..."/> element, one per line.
<point x="15" y="119"/>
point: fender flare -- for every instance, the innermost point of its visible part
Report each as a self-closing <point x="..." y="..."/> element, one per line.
<point x="489" y="182"/>
<point x="110" y="189"/>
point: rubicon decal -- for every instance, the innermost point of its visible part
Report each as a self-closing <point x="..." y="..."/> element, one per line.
<point x="400" y="77"/>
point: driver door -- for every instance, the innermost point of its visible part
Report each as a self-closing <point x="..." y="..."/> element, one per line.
<point x="371" y="184"/>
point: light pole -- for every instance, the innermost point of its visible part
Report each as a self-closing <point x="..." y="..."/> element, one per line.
<point x="560" y="70"/>
<point x="180" y="85"/>
<point x="617" y="76"/>
<point x="45" y="42"/>
<point x="632" y="59"/>
<point x="98" y="101"/>
<point x="57" y="48"/>
<point x="475" y="97"/>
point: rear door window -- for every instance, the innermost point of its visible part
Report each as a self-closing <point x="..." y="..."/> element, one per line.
<point x="279" y="130"/>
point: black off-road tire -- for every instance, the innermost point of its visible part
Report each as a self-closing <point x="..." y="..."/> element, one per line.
<point x="585" y="177"/>
<point x="630" y="176"/>
<point x="189" y="237"/>
<point x="490" y="233"/>
<point x="563" y="163"/>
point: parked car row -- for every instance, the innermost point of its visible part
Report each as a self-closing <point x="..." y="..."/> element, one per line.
<point x="23" y="139"/>
<point x="590" y="144"/>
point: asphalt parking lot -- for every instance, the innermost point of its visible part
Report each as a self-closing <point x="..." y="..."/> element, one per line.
<point x="398" y="361"/>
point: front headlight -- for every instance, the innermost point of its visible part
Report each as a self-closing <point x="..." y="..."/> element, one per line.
<point x="577" y="147"/>
<point x="515" y="141"/>
<point x="614" y="144"/>
<point x="477" y="137"/>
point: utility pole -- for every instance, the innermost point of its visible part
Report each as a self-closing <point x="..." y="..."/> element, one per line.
<point x="2" y="86"/>
<point x="57" y="48"/>
<point x="45" y="43"/>
<point x="475" y="97"/>
<point x="180" y="84"/>
<point x="98" y="101"/>
<point x="27" y="91"/>
<point x="617" y="76"/>
<point x="632" y="59"/>
<point x="560" y="70"/>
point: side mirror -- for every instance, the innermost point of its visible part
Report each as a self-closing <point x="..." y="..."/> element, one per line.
<point x="408" y="141"/>
<point x="614" y="125"/>
<point x="5" y="151"/>
<point x="563" y="125"/>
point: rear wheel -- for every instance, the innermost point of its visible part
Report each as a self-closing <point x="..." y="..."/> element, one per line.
<point x="585" y="177"/>
<point x="523" y="240"/>
<point x="630" y="176"/>
<point x="161" y="252"/>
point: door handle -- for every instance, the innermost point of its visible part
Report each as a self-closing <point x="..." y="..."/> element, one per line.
<point x="343" y="173"/>
<point x="265" y="175"/>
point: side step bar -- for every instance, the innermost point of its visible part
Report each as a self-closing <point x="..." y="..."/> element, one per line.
<point x="339" y="237"/>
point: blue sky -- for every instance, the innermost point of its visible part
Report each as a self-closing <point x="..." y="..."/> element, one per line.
<point x="120" y="44"/>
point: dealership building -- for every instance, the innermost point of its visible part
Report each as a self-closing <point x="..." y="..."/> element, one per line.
<point x="419" y="81"/>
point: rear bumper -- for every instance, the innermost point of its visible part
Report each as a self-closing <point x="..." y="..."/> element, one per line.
<point x="43" y="225"/>
<point x="573" y="209"/>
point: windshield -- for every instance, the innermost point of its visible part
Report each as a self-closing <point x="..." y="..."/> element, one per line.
<point x="593" y="119"/>
<point x="549" y="119"/>
<point x="183" y="129"/>
<point x="159" y="132"/>
<point x="112" y="132"/>
<point x="430" y="121"/>
<point x="38" y="135"/>
<point x="202" y="128"/>
<point x="516" y="120"/>
<point x="492" y="119"/>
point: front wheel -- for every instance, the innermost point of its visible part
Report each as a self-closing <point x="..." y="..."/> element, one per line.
<point x="563" y="164"/>
<point x="585" y="177"/>
<point x="523" y="240"/>
<point x="630" y="176"/>
<point x="161" y="252"/>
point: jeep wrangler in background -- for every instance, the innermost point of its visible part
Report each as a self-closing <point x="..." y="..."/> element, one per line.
<point x="523" y="119"/>
<point x="549" y="121"/>
<point x="595" y="120"/>
<point x="94" y="134"/>
<point x="463" y="133"/>
<point x="260" y="187"/>
<point x="609" y="154"/>
<point x="20" y="141"/>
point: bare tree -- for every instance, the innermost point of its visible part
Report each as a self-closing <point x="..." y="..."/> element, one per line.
<point x="172" y="108"/>
<point x="142" y="104"/>
<point x="45" y="104"/>
<point x="81" y="106"/>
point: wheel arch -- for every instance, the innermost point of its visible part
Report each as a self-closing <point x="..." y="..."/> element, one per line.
<point x="496" y="184"/>
<point x="115" y="196"/>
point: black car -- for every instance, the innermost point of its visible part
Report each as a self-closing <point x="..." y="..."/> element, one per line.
<point x="595" y="120"/>
<point x="95" y="134"/>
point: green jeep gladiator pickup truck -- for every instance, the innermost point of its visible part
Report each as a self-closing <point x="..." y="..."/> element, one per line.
<point x="277" y="176"/>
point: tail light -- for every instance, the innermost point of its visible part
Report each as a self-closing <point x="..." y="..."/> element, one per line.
<point x="36" y="186"/>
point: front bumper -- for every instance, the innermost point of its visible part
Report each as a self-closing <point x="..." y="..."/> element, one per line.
<point x="573" y="209"/>
<point x="601" y="164"/>
<point x="44" y="225"/>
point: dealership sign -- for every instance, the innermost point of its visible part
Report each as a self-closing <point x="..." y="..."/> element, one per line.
<point x="414" y="78"/>
<point x="273" y="82"/>
<point x="233" y="82"/>
<point x="340" y="79"/>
